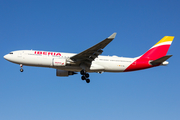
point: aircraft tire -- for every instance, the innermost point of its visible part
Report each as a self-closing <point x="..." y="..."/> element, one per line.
<point x="82" y="72"/>
<point x="83" y="77"/>
<point x="21" y="70"/>
<point x="86" y="75"/>
<point x="88" y="80"/>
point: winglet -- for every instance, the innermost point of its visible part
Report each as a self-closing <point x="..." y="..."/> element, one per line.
<point x="112" y="36"/>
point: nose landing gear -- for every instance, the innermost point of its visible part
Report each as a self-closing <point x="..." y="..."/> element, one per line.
<point x="21" y="70"/>
<point x="85" y="76"/>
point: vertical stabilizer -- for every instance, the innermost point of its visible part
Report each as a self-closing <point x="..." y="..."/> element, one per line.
<point x="154" y="56"/>
<point x="160" y="49"/>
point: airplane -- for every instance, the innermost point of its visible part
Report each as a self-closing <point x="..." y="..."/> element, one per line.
<point x="91" y="60"/>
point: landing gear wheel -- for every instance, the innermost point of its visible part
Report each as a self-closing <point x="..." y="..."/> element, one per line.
<point x="83" y="77"/>
<point x="21" y="70"/>
<point x="86" y="75"/>
<point x="88" y="80"/>
<point x="82" y="72"/>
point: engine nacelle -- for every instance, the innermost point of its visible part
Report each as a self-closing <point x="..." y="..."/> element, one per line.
<point x="64" y="73"/>
<point x="59" y="62"/>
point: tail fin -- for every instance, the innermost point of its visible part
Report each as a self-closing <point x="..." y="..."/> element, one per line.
<point x="155" y="56"/>
<point x="160" y="49"/>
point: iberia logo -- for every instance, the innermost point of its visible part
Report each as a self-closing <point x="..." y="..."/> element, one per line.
<point x="47" y="53"/>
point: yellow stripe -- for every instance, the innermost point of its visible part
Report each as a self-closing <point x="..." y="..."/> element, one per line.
<point x="165" y="39"/>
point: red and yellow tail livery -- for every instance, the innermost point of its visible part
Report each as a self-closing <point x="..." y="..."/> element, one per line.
<point x="155" y="56"/>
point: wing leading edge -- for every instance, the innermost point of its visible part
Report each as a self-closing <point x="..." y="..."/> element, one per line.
<point x="90" y="54"/>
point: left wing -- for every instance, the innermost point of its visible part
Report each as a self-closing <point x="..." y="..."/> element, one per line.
<point x="90" y="54"/>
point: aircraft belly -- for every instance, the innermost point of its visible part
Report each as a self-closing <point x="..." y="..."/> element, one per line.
<point x="96" y="67"/>
<point x="69" y="68"/>
<point x="113" y="66"/>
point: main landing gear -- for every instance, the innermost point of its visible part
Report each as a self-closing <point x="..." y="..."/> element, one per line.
<point x="85" y="76"/>
<point x="21" y="70"/>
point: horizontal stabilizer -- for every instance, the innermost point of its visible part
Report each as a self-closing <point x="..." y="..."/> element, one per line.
<point x="160" y="60"/>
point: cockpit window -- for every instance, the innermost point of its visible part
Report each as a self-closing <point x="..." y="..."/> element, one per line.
<point x="11" y="53"/>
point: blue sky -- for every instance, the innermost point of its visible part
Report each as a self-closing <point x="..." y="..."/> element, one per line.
<point x="73" y="26"/>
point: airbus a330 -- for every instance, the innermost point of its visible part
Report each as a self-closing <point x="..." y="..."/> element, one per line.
<point x="91" y="59"/>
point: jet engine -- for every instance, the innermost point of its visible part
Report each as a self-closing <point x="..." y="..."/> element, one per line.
<point x="64" y="73"/>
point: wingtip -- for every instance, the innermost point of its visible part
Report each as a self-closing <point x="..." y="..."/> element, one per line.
<point x="112" y="36"/>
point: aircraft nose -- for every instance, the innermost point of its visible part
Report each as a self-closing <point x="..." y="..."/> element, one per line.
<point x="6" y="57"/>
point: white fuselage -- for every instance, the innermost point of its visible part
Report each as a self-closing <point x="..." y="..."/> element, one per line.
<point x="90" y="60"/>
<point x="48" y="59"/>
